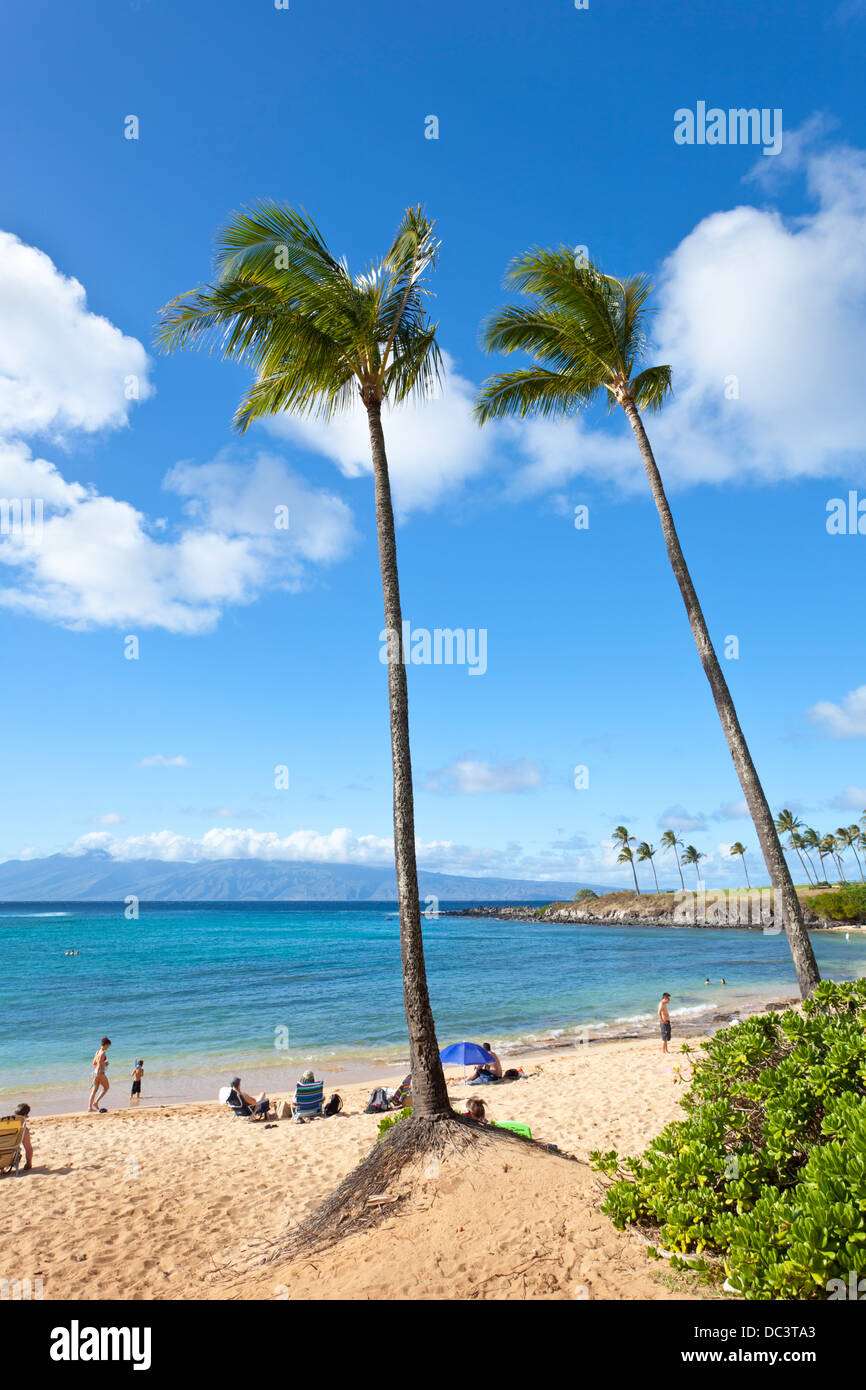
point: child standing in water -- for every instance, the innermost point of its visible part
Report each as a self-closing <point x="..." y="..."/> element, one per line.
<point x="137" y="1074"/>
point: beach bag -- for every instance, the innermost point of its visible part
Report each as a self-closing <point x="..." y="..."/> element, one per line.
<point x="511" y="1075"/>
<point x="378" y="1102"/>
<point x="334" y="1105"/>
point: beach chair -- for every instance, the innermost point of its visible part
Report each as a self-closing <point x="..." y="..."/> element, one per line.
<point x="12" y="1129"/>
<point x="403" y="1094"/>
<point x="309" y="1099"/>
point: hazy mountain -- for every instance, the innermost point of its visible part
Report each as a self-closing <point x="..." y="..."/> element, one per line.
<point x="98" y="877"/>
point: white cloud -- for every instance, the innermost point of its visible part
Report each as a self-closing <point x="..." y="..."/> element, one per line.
<point x="160" y="760"/>
<point x="339" y="846"/>
<point x="851" y="799"/>
<point x="61" y="366"/>
<point x="433" y="446"/>
<point x="467" y="777"/>
<point x="846" y="720"/>
<point x="732" y="810"/>
<point x="776" y="304"/>
<point x="94" y="560"/>
<point x="110" y="818"/>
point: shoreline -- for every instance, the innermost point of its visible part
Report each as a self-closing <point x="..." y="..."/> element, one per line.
<point x="688" y="1024"/>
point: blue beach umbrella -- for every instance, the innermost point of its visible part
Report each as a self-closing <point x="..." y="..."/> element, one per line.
<point x="465" y="1053"/>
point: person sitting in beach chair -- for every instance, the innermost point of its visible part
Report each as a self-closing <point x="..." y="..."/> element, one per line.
<point x="14" y="1139"/>
<point x="309" y="1098"/>
<point x="243" y="1106"/>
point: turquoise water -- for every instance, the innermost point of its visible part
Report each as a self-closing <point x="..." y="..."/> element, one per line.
<point x="201" y="991"/>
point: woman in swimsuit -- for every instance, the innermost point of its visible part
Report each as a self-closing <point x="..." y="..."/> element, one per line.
<point x="100" y="1080"/>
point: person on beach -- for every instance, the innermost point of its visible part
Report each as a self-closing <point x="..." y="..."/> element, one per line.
<point x="664" y="1020"/>
<point x="22" y="1112"/>
<point x="137" y="1074"/>
<point x="475" y="1111"/>
<point x="246" y="1105"/>
<point x="100" y="1081"/>
<point x="491" y="1069"/>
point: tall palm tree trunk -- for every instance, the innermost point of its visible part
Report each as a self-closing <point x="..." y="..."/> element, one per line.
<point x="655" y="876"/>
<point x="802" y="861"/>
<point x="859" y="865"/>
<point x="429" y="1092"/>
<point x="774" y="858"/>
<point x="841" y="868"/>
<point x="746" y="872"/>
<point x="680" y="867"/>
<point x="634" y="876"/>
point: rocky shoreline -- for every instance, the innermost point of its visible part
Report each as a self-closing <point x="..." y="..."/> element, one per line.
<point x="737" y="912"/>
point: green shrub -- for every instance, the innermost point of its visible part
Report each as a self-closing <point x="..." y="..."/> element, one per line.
<point x="584" y="895"/>
<point x="768" y="1170"/>
<point x="846" y="904"/>
<point x="389" y="1121"/>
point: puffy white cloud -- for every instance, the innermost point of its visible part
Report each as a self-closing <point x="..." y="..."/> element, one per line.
<point x="97" y="561"/>
<point x="433" y="446"/>
<point x="761" y="309"/>
<point x="468" y="776"/>
<point x="678" y="818"/>
<point x="339" y="846"/>
<point x="77" y="557"/>
<point x="61" y="366"/>
<point x="845" y="720"/>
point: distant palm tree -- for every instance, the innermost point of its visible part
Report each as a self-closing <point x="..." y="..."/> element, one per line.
<point x="788" y="824"/>
<point x="623" y="839"/>
<point x="319" y="339"/>
<point x="587" y="335"/>
<point x="694" y="856"/>
<point x="849" y="836"/>
<point x="809" y="840"/>
<point x="647" y="852"/>
<point x="827" y="850"/>
<point x="738" y="849"/>
<point x="839" y="847"/>
<point x="670" y="840"/>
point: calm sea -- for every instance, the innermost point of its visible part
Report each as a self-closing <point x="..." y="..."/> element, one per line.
<point x="202" y="991"/>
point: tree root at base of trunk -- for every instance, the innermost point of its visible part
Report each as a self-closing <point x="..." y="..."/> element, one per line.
<point x="362" y="1199"/>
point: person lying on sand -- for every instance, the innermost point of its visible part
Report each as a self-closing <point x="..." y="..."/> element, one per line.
<point x="257" y="1108"/>
<point x="492" y="1069"/>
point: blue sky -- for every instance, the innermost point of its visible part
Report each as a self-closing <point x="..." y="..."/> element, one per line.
<point x="555" y="126"/>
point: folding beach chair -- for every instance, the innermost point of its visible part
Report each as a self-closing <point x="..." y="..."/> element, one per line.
<point x="403" y="1094"/>
<point x="309" y="1099"/>
<point x="12" y="1129"/>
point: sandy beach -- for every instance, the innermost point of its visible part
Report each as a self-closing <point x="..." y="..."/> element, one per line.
<point x="171" y="1203"/>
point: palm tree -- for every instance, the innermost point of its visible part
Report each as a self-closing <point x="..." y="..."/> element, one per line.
<point x="587" y="334"/>
<point x="319" y="339"/>
<point x="849" y="835"/>
<point x="694" y="856"/>
<point x="826" y="849"/>
<point x="738" y="849"/>
<point x="809" y="840"/>
<point x="788" y="824"/>
<point x="839" y="847"/>
<point x="646" y="853"/>
<point x="623" y="839"/>
<point x="670" y="840"/>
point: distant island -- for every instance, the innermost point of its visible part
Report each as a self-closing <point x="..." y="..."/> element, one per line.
<point x="99" y="877"/>
<point x="708" y="908"/>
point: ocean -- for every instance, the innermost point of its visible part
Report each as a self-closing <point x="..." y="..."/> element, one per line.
<point x="206" y="991"/>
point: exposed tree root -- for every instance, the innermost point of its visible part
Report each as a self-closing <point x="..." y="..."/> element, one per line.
<point x="364" y="1199"/>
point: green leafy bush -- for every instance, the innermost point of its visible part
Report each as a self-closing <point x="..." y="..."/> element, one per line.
<point x="846" y="904"/>
<point x="389" y="1121"/>
<point x="584" y="895"/>
<point x="768" y="1170"/>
